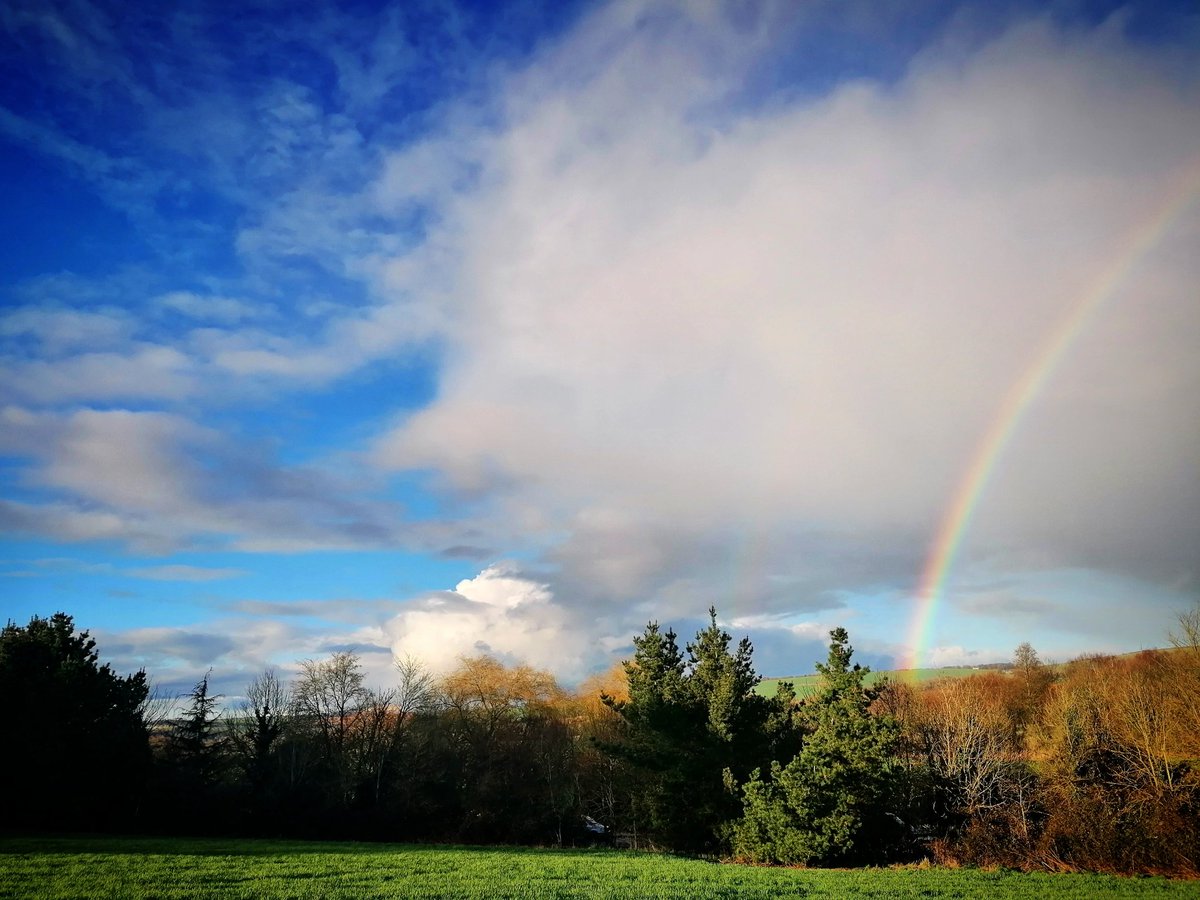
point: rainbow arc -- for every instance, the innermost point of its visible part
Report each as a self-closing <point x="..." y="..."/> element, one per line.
<point x="971" y="487"/>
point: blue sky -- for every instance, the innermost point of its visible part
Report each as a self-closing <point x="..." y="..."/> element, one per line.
<point x="439" y="328"/>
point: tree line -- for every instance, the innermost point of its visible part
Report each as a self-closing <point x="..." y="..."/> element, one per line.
<point x="1092" y="765"/>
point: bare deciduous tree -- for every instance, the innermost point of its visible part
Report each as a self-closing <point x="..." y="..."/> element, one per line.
<point x="259" y="726"/>
<point x="330" y="695"/>
<point x="967" y="739"/>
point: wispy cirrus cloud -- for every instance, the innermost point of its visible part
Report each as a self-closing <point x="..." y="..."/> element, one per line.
<point x="59" y="330"/>
<point x="177" y="572"/>
<point x="184" y="573"/>
<point x="213" y="307"/>
<point x="333" y="610"/>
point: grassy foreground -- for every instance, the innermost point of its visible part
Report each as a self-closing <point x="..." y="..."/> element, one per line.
<point x="228" y="868"/>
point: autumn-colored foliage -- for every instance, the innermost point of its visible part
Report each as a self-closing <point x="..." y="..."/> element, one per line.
<point x="1118" y="752"/>
<point x="1092" y="765"/>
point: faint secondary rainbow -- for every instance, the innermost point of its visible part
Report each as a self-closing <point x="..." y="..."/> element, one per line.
<point x="991" y="446"/>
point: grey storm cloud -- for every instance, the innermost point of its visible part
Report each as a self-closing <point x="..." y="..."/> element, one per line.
<point x="686" y="354"/>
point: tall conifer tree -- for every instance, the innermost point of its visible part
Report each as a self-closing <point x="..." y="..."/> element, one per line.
<point x="827" y="804"/>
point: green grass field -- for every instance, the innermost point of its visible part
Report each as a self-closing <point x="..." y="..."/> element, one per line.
<point x="807" y="685"/>
<point x="48" y="868"/>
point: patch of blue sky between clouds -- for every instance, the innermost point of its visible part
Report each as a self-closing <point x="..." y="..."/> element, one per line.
<point x="51" y="222"/>
<point x="106" y="589"/>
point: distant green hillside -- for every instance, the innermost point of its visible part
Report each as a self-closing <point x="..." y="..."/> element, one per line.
<point x="807" y="685"/>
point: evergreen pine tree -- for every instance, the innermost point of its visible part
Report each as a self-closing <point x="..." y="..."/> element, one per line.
<point x="689" y="721"/>
<point x="195" y="764"/>
<point x="827" y="804"/>
<point x="195" y="747"/>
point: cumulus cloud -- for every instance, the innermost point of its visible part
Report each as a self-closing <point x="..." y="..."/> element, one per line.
<point x="499" y="612"/>
<point x="675" y="320"/>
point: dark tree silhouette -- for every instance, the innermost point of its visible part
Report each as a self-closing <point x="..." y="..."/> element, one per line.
<point x="196" y="748"/>
<point x="75" y="751"/>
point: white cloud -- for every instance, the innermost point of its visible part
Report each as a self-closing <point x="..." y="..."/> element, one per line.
<point x="211" y="307"/>
<point x="810" y="630"/>
<point x="59" y="330"/>
<point x="499" y="612"/>
<point x="797" y="321"/>
<point x="141" y="371"/>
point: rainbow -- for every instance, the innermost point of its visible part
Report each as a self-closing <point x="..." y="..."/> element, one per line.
<point x="991" y="446"/>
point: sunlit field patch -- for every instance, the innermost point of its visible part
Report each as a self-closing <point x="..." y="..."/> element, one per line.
<point x="808" y="685"/>
<point x="187" y="868"/>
